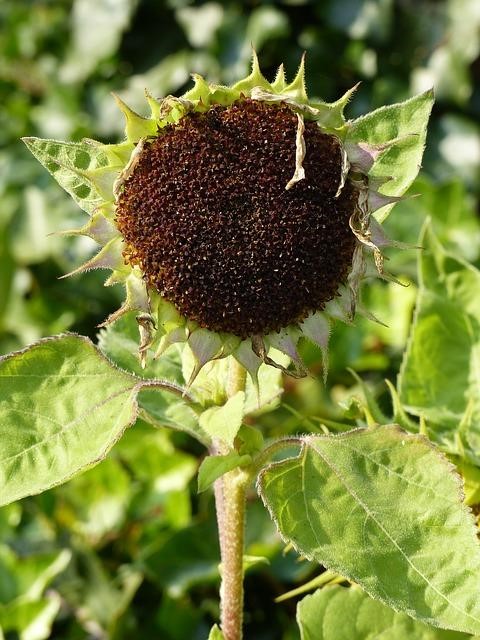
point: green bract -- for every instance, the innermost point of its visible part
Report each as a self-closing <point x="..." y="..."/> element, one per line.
<point x="377" y="157"/>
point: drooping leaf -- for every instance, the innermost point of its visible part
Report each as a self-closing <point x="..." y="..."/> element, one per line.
<point x="440" y="374"/>
<point x="337" y="613"/>
<point x="62" y="407"/>
<point x="406" y="121"/>
<point x="384" y="509"/>
<point x="158" y="410"/>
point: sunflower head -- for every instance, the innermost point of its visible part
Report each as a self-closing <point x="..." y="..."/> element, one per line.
<point x="238" y="218"/>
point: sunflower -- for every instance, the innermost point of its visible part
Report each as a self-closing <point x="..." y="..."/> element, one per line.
<point x="239" y="219"/>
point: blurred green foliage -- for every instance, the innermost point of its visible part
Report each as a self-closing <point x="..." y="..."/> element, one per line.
<point x="128" y="549"/>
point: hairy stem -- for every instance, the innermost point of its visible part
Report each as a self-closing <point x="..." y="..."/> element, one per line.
<point x="231" y="590"/>
<point x="230" y="492"/>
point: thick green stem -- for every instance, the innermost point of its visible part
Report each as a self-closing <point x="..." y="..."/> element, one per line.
<point x="230" y="503"/>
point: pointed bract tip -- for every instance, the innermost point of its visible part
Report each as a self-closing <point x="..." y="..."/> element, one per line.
<point x="279" y="83"/>
<point x="297" y="87"/>
<point x="255" y="63"/>
<point x="348" y="95"/>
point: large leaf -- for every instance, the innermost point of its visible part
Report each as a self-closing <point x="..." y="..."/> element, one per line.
<point x="440" y="375"/>
<point x="81" y="168"/>
<point x="62" y="407"/>
<point x="336" y="613"/>
<point x="384" y="509"/>
<point x="406" y="121"/>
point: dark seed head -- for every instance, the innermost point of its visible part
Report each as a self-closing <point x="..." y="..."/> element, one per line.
<point x="206" y="217"/>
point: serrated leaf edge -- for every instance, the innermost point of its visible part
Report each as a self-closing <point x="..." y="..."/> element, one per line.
<point x="450" y="468"/>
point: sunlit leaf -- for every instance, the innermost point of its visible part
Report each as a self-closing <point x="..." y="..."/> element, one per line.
<point x="383" y="509"/>
<point x="62" y="407"/>
<point x="97" y="29"/>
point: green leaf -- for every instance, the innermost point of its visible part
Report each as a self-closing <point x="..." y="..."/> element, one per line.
<point x="158" y="409"/>
<point x="225" y="421"/>
<point x="81" y="168"/>
<point x="215" y="633"/>
<point x="213" y="467"/>
<point x="250" y="561"/>
<point x="100" y="593"/>
<point x="64" y="406"/>
<point x="251" y="438"/>
<point x="337" y="613"/>
<point x="383" y="509"/>
<point x="406" y="121"/>
<point x="440" y="374"/>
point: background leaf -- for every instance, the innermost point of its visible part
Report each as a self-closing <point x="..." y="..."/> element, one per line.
<point x="32" y="620"/>
<point x="440" y="375"/>
<point x="383" y="509"/>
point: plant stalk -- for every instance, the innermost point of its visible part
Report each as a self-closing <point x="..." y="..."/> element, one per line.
<point x="230" y="502"/>
<point x="231" y="590"/>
